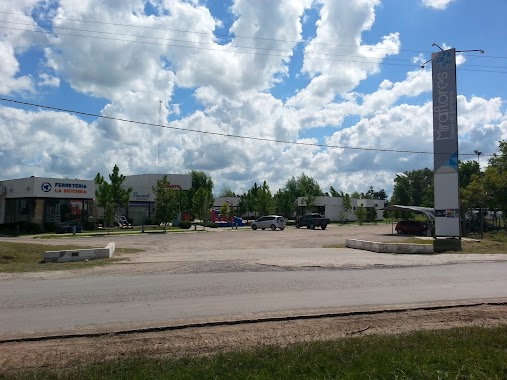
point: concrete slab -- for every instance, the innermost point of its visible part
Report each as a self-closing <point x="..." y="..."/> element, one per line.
<point x="404" y="248"/>
<point x="65" y="256"/>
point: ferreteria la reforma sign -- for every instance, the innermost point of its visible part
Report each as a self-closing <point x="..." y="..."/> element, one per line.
<point x="445" y="144"/>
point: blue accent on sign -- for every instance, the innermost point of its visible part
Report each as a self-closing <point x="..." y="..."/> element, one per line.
<point x="453" y="161"/>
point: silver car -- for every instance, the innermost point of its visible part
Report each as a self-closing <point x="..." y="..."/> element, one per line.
<point x="269" y="221"/>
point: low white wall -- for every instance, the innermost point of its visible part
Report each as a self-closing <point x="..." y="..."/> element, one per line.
<point x="389" y="247"/>
<point x="80" y="254"/>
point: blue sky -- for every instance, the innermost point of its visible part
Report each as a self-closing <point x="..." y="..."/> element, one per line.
<point x="227" y="79"/>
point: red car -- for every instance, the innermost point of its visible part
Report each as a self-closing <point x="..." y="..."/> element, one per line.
<point x="412" y="227"/>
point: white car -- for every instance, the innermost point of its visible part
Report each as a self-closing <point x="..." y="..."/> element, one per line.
<point x="269" y="221"/>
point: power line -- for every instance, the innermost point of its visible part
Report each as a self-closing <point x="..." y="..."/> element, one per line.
<point x="223" y="34"/>
<point x="201" y="33"/>
<point x="178" y="40"/>
<point x="212" y="49"/>
<point x="224" y="134"/>
<point x="213" y="44"/>
<point x="309" y="57"/>
<point x="257" y="50"/>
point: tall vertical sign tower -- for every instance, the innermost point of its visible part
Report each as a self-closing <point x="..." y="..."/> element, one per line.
<point x="445" y="144"/>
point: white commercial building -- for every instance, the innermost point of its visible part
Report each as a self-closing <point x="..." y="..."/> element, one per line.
<point x="43" y="201"/>
<point x="333" y="208"/>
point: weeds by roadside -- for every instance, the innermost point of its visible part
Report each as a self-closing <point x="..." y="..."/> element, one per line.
<point x="462" y="353"/>
<point x="24" y="257"/>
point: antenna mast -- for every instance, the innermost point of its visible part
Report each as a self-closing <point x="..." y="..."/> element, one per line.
<point x="159" y="131"/>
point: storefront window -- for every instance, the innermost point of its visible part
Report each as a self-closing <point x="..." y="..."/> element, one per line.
<point x="64" y="210"/>
<point x="19" y="210"/>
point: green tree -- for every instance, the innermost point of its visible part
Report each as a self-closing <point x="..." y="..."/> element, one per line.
<point x="360" y="214"/>
<point x="333" y="192"/>
<point x="166" y="201"/>
<point x="201" y="204"/>
<point x="111" y="196"/>
<point x="225" y="210"/>
<point x="246" y="204"/>
<point x="414" y="188"/>
<point x="264" y="201"/>
<point x="476" y="196"/>
<point x="467" y="169"/>
<point x="284" y="203"/>
<point x="495" y="181"/>
<point x="347" y="204"/>
<point x="371" y="214"/>
<point x="200" y="180"/>
<point x="356" y="195"/>
<point x="373" y="194"/>
<point x="227" y="192"/>
<point x="303" y="186"/>
<point x="119" y="194"/>
<point x="309" y="201"/>
<point x="105" y="200"/>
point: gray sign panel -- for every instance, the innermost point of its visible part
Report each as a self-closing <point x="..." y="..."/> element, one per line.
<point x="445" y="143"/>
<point x="445" y="120"/>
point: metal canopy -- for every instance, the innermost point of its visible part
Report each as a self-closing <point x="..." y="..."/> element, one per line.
<point x="429" y="212"/>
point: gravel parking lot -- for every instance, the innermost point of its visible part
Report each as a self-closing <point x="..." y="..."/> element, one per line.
<point x="242" y="249"/>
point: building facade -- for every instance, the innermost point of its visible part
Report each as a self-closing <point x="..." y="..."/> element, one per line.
<point x="45" y="201"/>
<point x="333" y="208"/>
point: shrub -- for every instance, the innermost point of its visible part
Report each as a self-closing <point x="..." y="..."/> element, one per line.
<point x="185" y="224"/>
<point x="211" y="225"/>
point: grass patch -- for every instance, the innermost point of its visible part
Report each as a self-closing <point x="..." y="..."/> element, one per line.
<point x="486" y="245"/>
<point x="464" y="353"/>
<point x="491" y="243"/>
<point x="110" y="232"/>
<point x="25" y="257"/>
<point x="413" y="240"/>
<point x="334" y="246"/>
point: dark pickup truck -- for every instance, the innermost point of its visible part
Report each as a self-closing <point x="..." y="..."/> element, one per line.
<point x="312" y="220"/>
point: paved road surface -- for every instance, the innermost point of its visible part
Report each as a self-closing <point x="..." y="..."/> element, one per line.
<point x="33" y="305"/>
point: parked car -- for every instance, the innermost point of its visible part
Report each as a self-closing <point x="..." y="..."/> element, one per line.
<point x="312" y="220"/>
<point x="269" y="221"/>
<point x="67" y="228"/>
<point x="412" y="227"/>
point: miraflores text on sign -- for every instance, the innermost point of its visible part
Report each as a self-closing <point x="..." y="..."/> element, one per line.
<point x="445" y="109"/>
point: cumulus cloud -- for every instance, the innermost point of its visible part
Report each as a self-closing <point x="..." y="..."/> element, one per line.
<point x="232" y="90"/>
<point x="336" y="59"/>
<point x="13" y="42"/>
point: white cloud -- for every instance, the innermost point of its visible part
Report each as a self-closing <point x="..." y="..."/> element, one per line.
<point x="48" y="80"/>
<point x="336" y="59"/>
<point x="436" y="4"/>
<point x="14" y="41"/>
<point x="233" y="89"/>
<point x="58" y="143"/>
